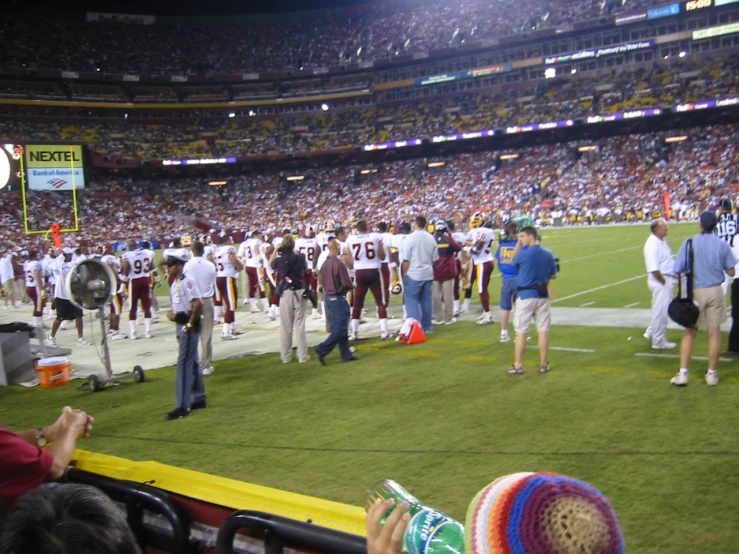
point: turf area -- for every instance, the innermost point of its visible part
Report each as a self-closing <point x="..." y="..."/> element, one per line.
<point x="444" y="419"/>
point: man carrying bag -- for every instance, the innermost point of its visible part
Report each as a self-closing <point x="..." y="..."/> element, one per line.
<point x="705" y="257"/>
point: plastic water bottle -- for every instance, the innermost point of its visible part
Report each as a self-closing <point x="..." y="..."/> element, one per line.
<point x="429" y="531"/>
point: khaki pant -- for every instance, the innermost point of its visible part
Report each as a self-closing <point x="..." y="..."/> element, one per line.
<point x="292" y="316"/>
<point x="443" y="298"/>
<point x="532" y="309"/>
<point x="712" y="305"/>
<point x="206" y="334"/>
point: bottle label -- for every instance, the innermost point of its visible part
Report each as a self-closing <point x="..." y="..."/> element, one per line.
<point x="423" y="527"/>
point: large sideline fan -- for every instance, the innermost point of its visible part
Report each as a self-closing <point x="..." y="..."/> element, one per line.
<point x="90" y="286"/>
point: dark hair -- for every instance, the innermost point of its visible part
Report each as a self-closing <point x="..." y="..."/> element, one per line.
<point x="177" y="243"/>
<point x="339" y="231"/>
<point x="362" y="226"/>
<point x="198" y="248"/>
<point x="511" y="228"/>
<point x="288" y="243"/>
<point x="530" y="231"/>
<point x="382" y="227"/>
<point x="58" y="518"/>
<point x="421" y="222"/>
<point x="450" y="225"/>
<point x="146" y="244"/>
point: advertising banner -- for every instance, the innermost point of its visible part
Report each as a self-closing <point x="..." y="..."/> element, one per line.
<point x="663" y="11"/>
<point x="54" y="167"/>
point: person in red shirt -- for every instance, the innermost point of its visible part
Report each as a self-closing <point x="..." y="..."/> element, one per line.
<point x="29" y="458"/>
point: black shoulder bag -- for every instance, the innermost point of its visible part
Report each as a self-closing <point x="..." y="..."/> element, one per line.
<point x="682" y="310"/>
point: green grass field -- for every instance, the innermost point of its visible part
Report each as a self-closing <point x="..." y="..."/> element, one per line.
<point x="443" y="418"/>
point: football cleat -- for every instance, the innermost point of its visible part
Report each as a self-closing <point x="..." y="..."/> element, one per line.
<point x="228" y="337"/>
<point x="386" y="336"/>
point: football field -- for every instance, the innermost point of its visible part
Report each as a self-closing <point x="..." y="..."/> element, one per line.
<point x="444" y="419"/>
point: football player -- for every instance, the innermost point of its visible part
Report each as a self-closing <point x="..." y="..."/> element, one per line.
<point x="136" y="266"/>
<point x="463" y="265"/>
<point x="251" y="254"/>
<point x="396" y="254"/>
<point x="386" y="262"/>
<point x="307" y="245"/>
<point x="35" y="286"/>
<point x="480" y="242"/>
<point x="116" y="304"/>
<point x="367" y="252"/>
<point x="228" y="266"/>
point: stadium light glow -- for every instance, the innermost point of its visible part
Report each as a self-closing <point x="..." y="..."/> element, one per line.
<point x="232" y="114"/>
<point x="296" y="178"/>
<point x="550" y="73"/>
<point x="590" y="148"/>
<point x="252" y="113"/>
<point x="683" y="54"/>
<point x="367" y="171"/>
<point x="436" y="164"/>
<point x="676" y="139"/>
<point x="218" y="183"/>
<point x="573" y="71"/>
<point x="324" y="107"/>
<point x="509" y="157"/>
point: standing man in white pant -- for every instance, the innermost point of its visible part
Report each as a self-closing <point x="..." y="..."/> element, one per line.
<point x="659" y="262"/>
<point x="203" y="272"/>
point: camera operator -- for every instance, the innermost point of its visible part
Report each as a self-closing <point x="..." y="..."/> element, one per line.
<point x="290" y="267"/>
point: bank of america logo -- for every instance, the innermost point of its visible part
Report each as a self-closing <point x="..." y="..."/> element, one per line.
<point x="56" y="183"/>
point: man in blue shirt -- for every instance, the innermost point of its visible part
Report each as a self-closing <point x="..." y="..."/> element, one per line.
<point x="504" y="257"/>
<point x="536" y="267"/>
<point x="711" y="258"/>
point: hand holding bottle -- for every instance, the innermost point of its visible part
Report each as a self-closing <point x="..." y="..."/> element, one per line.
<point x="387" y="538"/>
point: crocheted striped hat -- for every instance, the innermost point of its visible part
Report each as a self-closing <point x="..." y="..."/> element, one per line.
<point x="541" y="513"/>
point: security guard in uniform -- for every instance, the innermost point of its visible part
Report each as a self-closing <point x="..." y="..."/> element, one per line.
<point x="185" y="311"/>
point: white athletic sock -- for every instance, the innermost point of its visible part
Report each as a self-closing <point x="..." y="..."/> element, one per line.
<point x="265" y="304"/>
<point x="383" y="326"/>
<point x="456" y="306"/>
<point x="711" y="371"/>
<point x="37" y="321"/>
<point x="147" y="325"/>
<point x="315" y="311"/>
<point x="504" y="332"/>
<point x="226" y="329"/>
<point x="684" y="370"/>
<point x="253" y="303"/>
<point x="467" y="304"/>
<point x="355" y="326"/>
<point x="132" y="327"/>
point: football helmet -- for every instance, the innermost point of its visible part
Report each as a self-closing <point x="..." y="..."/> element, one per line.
<point x="396" y="289"/>
<point x="310" y="231"/>
<point x="477" y="220"/>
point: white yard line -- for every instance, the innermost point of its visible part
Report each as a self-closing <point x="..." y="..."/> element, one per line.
<point x="631" y="305"/>
<point x="565" y="349"/>
<point x="676" y="356"/>
<point x="598" y="288"/>
<point x="587" y="304"/>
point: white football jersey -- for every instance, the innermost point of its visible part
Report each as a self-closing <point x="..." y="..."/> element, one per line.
<point x="388" y="239"/>
<point x="140" y="263"/>
<point x="250" y="253"/>
<point x="210" y="250"/>
<point x="30" y="268"/>
<point x="323" y="239"/>
<point x="364" y="249"/>
<point x="277" y="242"/>
<point x="398" y="241"/>
<point x="308" y="248"/>
<point x="461" y="238"/>
<point x="224" y="266"/>
<point x="487" y="237"/>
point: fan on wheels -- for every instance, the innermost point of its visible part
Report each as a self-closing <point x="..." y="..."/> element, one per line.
<point x="91" y="285"/>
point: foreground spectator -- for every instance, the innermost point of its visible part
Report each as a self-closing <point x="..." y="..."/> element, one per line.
<point x="711" y="258"/>
<point x="25" y="463"/>
<point x="65" y="518"/>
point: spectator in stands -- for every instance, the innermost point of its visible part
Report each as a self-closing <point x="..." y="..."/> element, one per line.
<point x="31" y="457"/>
<point x="63" y="518"/>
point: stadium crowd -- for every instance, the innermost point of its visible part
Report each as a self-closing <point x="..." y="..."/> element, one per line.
<point x="623" y="178"/>
<point x="380" y="31"/>
<point x="549" y="100"/>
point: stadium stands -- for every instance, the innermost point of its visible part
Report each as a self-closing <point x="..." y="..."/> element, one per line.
<point x="378" y="32"/>
<point x="623" y="175"/>
<point x="550" y="100"/>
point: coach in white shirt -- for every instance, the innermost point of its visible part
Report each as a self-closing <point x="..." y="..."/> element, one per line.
<point x="203" y="272"/>
<point x="659" y="262"/>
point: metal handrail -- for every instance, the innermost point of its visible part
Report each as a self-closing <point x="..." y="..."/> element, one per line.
<point x="279" y="533"/>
